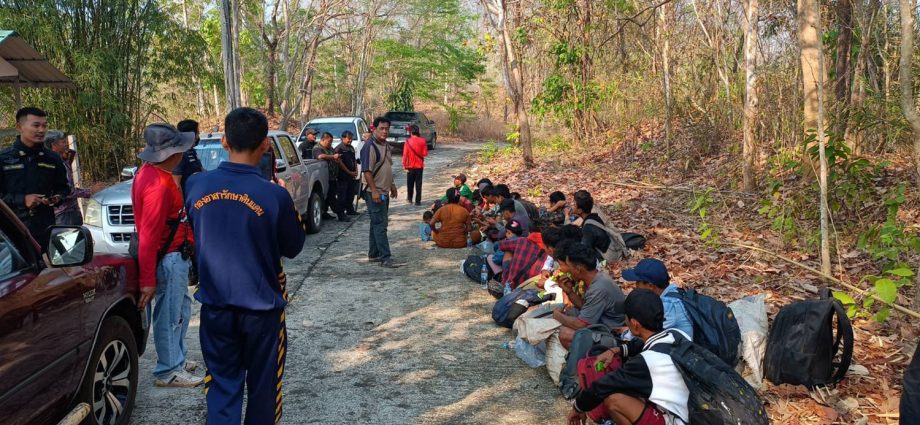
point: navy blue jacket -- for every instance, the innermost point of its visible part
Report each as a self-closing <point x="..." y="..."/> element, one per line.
<point x="243" y="224"/>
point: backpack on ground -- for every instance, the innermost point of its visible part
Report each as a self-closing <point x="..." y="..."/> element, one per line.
<point x="617" y="249"/>
<point x="718" y="394"/>
<point x="511" y="306"/>
<point x="714" y="324"/>
<point x="633" y="241"/>
<point x="802" y="345"/>
<point x="472" y="268"/>
<point x="583" y="342"/>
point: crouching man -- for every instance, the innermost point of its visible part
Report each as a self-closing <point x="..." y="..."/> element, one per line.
<point x="648" y="389"/>
<point x="247" y="224"/>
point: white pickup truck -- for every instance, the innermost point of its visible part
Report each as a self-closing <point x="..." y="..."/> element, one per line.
<point x="110" y="218"/>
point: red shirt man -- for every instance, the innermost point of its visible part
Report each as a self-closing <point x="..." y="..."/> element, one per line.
<point x="414" y="152"/>
<point x="156" y="201"/>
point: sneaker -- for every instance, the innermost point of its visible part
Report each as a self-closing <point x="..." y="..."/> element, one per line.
<point x="180" y="379"/>
<point x="418" y="204"/>
<point x="191" y="366"/>
<point x="389" y="263"/>
<point x="373" y="260"/>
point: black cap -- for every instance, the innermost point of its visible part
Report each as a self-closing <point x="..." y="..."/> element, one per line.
<point x="649" y="270"/>
<point x="515" y="227"/>
<point x="646" y="308"/>
<point x="507" y="205"/>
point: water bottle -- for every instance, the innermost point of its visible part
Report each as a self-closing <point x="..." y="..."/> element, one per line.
<point x="469" y="241"/>
<point x="507" y="289"/>
<point x="484" y="277"/>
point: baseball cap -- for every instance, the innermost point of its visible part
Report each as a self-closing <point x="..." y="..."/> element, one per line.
<point x="461" y="176"/>
<point x="163" y="140"/>
<point x="515" y="227"/>
<point x="646" y="308"/>
<point x="311" y="131"/>
<point x="648" y="270"/>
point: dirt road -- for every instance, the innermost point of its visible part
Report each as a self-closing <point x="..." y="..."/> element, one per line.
<point x="367" y="345"/>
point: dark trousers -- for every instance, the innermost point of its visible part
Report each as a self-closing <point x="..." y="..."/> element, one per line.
<point x="910" y="395"/>
<point x="346" y="195"/>
<point x="378" y="242"/>
<point x="243" y="347"/>
<point x="332" y="198"/>
<point x="414" y="181"/>
<point x="70" y="218"/>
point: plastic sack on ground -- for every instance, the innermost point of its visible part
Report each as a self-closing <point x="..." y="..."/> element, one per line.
<point x="555" y="357"/>
<point x="533" y="355"/>
<point x="751" y="313"/>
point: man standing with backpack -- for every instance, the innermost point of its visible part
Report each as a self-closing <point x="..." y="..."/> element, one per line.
<point x="648" y="389"/>
<point x="413" y="158"/>
<point x="377" y="169"/>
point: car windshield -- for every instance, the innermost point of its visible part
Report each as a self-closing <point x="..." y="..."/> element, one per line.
<point x="401" y="116"/>
<point x="211" y="153"/>
<point x="334" y="128"/>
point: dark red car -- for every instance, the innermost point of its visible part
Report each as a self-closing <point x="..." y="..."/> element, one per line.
<point x="70" y="330"/>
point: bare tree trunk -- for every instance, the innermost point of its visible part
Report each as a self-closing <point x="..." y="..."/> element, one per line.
<point x="809" y="44"/>
<point x="750" y="96"/>
<point x="822" y="156"/>
<point x="366" y="49"/>
<point x="842" y="66"/>
<point x="306" y="105"/>
<point x="199" y="94"/>
<point x="230" y="54"/>
<point x="907" y="85"/>
<point x="664" y="43"/>
<point x="512" y="73"/>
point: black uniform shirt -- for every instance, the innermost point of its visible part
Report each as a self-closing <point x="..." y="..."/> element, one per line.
<point x="35" y="170"/>
<point x="188" y="166"/>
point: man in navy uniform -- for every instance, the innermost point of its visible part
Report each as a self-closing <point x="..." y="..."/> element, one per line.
<point x="247" y="224"/>
<point x="33" y="179"/>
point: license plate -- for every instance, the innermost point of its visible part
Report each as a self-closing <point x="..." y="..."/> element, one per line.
<point x="391" y="139"/>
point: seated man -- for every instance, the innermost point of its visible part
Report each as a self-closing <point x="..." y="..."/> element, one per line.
<point x="652" y="274"/>
<point x="523" y="259"/>
<point x="602" y="302"/>
<point x="594" y="237"/>
<point x="648" y="388"/>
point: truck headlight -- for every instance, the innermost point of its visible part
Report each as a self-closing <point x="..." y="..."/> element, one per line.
<point x="93" y="214"/>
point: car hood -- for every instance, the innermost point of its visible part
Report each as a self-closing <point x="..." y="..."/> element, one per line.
<point x="115" y="195"/>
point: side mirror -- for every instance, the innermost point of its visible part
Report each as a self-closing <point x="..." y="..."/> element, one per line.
<point x="128" y="172"/>
<point x="70" y="246"/>
<point x="280" y="165"/>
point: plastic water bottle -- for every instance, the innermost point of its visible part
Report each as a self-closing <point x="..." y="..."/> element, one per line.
<point x="507" y="289"/>
<point x="484" y="277"/>
<point x="469" y="241"/>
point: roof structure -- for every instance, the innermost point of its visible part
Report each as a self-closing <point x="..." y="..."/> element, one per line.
<point x="21" y="65"/>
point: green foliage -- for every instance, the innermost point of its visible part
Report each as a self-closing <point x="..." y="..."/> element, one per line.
<point x="400" y="99"/>
<point x="488" y="152"/>
<point x="699" y="205"/>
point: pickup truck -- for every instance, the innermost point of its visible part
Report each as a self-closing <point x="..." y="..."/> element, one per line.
<point x="70" y="329"/>
<point x="110" y="218"/>
<point x="400" y="122"/>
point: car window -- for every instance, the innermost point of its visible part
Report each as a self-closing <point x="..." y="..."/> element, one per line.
<point x="422" y="118"/>
<point x="362" y="128"/>
<point x="289" y="151"/>
<point x="211" y="153"/>
<point x="11" y="260"/>
<point x="401" y="116"/>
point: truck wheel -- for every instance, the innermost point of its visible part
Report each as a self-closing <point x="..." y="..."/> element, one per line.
<point x="434" y="141"/>
<point x="314" y="217"/>
<point x="110" y="384"/>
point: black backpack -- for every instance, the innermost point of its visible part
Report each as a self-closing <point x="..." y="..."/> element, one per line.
<point x="802" y="344"/>
<point x="509" y="307"/>
<point x="472" y="267"/>
<point x="714" y="324"/>
<point x="718" y="394"/>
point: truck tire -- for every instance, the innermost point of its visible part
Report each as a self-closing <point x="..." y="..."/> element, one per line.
<point x="434" y="141"/>
<point x="314" y="217"/>
<point x="110" y="384"/>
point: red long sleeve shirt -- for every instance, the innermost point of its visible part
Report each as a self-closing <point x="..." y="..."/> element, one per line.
<point x="156" y="200"/>
<point x="414" y="153"/>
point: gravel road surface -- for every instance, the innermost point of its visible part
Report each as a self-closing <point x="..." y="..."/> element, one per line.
<point x="368" y="345"/>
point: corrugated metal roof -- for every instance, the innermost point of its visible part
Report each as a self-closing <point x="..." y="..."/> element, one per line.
<point x="34" y="70"/>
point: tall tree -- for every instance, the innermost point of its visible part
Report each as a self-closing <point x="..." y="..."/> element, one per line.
<point x="750" y="96"/>
<point x="512" y="70"/>
<point x="908" y="105"/>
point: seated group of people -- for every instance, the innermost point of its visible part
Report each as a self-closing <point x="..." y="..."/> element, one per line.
<point x="559" y="248"/>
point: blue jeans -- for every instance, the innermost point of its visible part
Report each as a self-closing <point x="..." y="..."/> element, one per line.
<point x="378" y="244"/>
<point x="172" y="309"/>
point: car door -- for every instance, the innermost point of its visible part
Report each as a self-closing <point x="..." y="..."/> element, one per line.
<point x="358" y="143"/>
<point x="295" y="180"/>
<point x="40" y="332"/>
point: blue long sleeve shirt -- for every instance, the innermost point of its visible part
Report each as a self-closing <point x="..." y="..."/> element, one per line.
<point x="243" y="225"/>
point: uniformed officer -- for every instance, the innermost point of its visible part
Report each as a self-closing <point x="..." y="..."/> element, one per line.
<point x="34" y="179"/>
<point x="247" y="224"/>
